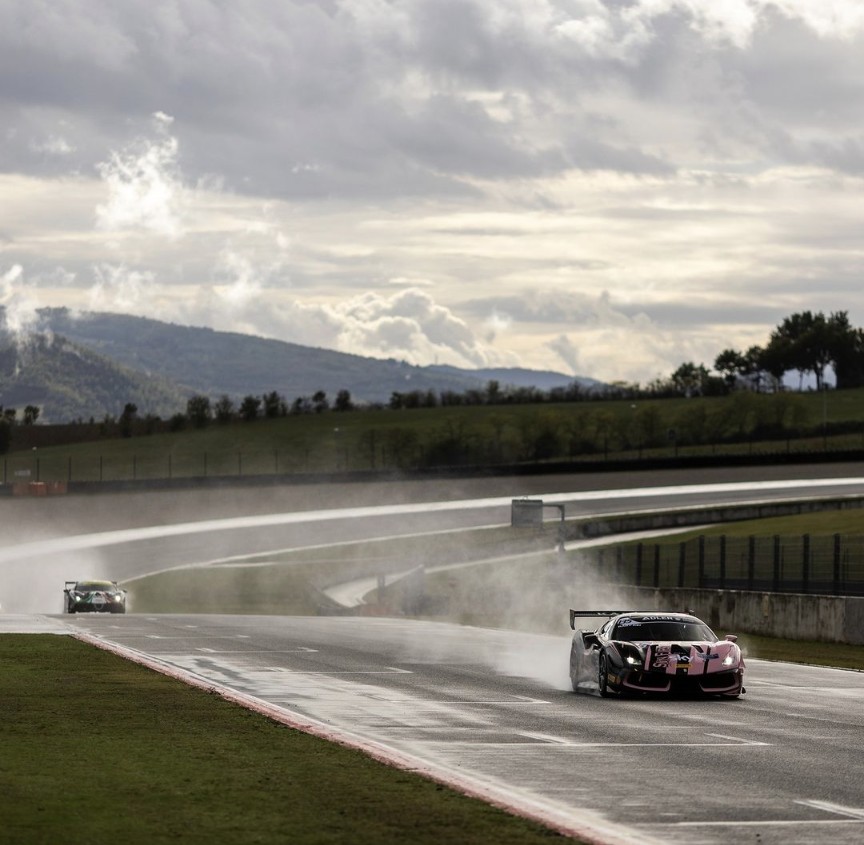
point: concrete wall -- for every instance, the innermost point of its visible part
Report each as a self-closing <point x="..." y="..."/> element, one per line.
<point x="835" y="619"/>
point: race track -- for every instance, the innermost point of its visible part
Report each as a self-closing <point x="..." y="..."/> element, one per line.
<point x="780" y="765"/>
<point x="125" y="536"/>
<point x="488" y="710"/>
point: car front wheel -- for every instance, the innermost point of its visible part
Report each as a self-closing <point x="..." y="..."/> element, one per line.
<point x="602" y="675"/>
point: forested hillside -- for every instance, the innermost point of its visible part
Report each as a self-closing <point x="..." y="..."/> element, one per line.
<point x="68" y="382"/>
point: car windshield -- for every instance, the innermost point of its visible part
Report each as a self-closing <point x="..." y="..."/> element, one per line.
<point x="94" y="587"/>
<point x="635" y="630"/>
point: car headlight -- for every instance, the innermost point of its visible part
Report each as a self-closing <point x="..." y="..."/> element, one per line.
<point x="118" y="598"/>
<point x="77" y="598"/>
<point x="629" y="654"/>
<point x="730" y="659"/>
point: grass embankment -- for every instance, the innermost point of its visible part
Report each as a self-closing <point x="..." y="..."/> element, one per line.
<point x="847" y="522"/>
<point x="446" y="436"/>
<point x="95" y="747"/>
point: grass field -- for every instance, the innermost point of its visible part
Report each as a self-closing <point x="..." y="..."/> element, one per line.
<point x="95" y="748"/>
<point x="846" y="522"/>
<point x="452" y="435"/>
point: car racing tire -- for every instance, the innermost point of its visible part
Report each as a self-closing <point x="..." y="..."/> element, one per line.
<point x="573" y="676"/>
<point x="602" y="676"/>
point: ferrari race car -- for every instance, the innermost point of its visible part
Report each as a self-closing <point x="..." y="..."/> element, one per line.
<point x="94" y="597"/>
<point x="649" y="652"/>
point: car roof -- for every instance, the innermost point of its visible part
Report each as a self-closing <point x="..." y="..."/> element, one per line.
<point x="90" y="583"/>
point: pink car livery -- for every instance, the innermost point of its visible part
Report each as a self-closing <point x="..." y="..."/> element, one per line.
<point x="650" y="652"/>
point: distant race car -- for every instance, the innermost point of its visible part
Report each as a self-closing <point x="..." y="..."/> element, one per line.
<point x="94" y="597"/>
<point x="649" y="652"/>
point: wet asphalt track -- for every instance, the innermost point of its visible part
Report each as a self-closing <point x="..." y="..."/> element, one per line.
<point x="781" y="765"/>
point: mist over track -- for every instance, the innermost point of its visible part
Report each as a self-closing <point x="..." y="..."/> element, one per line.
<point x="127" y="535"/>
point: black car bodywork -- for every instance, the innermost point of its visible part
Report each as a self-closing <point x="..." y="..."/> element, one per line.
<point x="94" y="597"/>
<point x="653" y="652"/>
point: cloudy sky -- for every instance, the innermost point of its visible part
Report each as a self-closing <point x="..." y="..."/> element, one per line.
<point x="600" y="187"/>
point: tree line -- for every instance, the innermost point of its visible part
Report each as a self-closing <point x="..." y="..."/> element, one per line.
<point x="806" y="342"/>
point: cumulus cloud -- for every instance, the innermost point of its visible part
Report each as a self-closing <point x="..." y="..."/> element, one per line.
<point x="144" y="185"/>
<point x="55" y="145"/>
<point x="20" y="304"/>
<point x="116" y="287"/>
<point x="408" y="326"/>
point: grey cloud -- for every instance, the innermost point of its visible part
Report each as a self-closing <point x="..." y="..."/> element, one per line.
<point x="260" y="87"/>
<point x="588" y="154"/>
<point x="573" y="311"/>
<point x="540" y="306"/>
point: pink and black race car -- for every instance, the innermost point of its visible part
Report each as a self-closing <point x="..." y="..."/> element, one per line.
<point x="650" y="652"/>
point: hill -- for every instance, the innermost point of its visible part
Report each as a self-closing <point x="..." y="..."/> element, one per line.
<point x="69" y="382"/>
<point x="92" y="364"/>
<point x="203" y="360"/>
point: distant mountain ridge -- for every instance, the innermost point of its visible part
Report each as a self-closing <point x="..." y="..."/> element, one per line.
<point x="158" y="365"/>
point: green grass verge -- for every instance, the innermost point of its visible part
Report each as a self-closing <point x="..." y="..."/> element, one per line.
<point x="838" y="655"/>
<point x="95" y="748"/>
<point x="847" y="522"/>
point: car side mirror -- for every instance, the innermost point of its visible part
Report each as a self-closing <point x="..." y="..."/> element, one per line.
<point x="731" y="637"/>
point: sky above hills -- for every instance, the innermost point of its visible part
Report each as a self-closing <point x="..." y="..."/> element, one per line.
<point x="601" y="188"/>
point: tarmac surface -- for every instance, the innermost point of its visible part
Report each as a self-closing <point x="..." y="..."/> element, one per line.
<point x="490" y="711"/>
<point x="493" y="709"/>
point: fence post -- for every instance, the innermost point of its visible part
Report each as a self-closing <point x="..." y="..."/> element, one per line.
<point x="836" y="568"/>
<point x="775" y="580"/>
<point x="722" y="561"/>
<point x="805" y="563"/>
<point x="751" y="561"/>
<point x="701" y="561"/>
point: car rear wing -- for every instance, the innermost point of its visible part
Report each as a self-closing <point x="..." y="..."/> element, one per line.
<point x="591" y="614"/>
<point x="69" y="585"/>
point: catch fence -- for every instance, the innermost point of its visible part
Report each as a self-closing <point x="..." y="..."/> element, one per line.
<point x="815" y="564"/>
